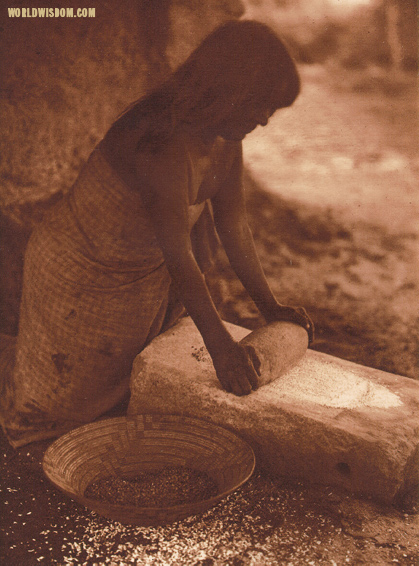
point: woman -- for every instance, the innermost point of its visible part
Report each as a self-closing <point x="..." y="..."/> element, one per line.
<point x="115" y="262"/>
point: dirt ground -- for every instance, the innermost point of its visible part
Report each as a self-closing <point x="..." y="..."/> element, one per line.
<point x="336" y="232"/>
<point x="267" y="522"/>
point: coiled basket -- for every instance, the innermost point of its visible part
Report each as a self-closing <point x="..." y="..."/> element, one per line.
<point x="126" y="446"/>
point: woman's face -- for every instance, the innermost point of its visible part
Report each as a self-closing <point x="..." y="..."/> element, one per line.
<point x="242" y="122"/>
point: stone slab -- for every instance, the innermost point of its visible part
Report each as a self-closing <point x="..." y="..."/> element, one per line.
<point x="325" y="421"/>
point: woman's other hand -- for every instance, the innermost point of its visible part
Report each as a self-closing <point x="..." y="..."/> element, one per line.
<point x="291" y="314"/>
<point x="237" y="367"/>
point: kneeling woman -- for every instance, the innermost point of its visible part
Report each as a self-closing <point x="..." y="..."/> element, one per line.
<point x="113" y="263"/>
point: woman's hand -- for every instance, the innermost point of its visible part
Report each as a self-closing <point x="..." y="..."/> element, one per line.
<point x="291" y="314"/>
<point x="237" y="367"/>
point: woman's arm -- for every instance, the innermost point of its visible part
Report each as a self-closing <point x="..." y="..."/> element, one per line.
<point x="164" y="191"/>
<point x="232" y="226"/>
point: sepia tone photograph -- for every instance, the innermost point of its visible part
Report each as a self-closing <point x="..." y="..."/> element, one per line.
<point x="209" y="287"/>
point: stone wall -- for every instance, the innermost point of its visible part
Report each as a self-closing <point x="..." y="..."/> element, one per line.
<point x="63" y="83"/>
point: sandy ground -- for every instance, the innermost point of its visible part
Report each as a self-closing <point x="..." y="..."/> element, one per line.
<point x="265" y="523"/>
<point x="336" y="233"/>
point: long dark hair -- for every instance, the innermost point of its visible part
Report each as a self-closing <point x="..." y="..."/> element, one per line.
<point x="241" y="64"/>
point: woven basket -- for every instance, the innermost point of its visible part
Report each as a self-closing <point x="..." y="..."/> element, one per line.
<point x="126" y="446"/>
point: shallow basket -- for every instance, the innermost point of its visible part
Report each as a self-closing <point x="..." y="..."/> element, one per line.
<point x="126" y="446"/>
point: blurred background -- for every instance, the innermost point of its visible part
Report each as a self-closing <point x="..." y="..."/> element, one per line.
<point x="331" y="182"/>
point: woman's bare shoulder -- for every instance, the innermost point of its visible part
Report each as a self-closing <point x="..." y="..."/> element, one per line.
<point x="162" y="167"/>
<point x="172" y="152"/>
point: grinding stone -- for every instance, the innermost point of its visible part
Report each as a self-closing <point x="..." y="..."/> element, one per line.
<point x="325" y="420"/>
